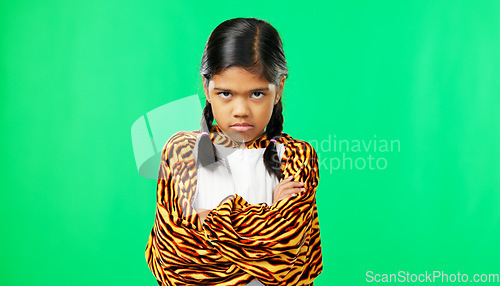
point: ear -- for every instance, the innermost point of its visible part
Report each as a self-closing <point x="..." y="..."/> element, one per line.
<point x="279" y="92"/>
<point x="205" y="89"/>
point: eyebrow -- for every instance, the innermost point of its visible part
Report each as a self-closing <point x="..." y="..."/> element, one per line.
<point x="257" y="89"/>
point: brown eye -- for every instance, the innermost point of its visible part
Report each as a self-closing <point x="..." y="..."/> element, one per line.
<point x="224" y="94"/>
<point x="258" y="94"/>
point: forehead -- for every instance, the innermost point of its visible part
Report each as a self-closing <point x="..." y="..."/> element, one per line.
<point x="238" y="78"/>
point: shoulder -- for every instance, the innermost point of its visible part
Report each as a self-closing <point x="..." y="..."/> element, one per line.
<point x="301" y="158"/>
<point x="297" y="147"/>
<point x="180" y="142"/>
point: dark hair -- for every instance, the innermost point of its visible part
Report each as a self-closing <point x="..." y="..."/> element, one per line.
<point x="256" y="46"/>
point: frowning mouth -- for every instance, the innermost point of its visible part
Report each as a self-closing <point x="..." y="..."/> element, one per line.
<point x="241" y="126"/>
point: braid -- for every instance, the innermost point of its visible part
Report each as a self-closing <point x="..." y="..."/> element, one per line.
<point x="273" y="131"/>
<point x="207" y="154"/>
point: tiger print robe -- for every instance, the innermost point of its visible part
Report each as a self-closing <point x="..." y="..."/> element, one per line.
<point x="278" y="244"/>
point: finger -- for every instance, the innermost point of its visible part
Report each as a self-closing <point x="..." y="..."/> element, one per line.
<point x="283" y="198"/>
<point x="292" y="191"/>
<point x="287" y="186"/>
<point x="291" y="196"/>
<point x="287" y="179"/>
<point x="283" y="182"/>
<point x="291" y="184"/>
<point x="301" y="190"/>
<point x="297" y="193"/>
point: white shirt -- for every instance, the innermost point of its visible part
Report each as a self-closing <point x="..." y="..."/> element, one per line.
<point x="240" y="171"/>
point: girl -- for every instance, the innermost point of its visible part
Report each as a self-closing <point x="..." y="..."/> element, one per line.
<point x="236" y="200"/>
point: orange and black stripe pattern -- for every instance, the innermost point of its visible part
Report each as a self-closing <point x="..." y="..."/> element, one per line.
<point x="278" y="244"/>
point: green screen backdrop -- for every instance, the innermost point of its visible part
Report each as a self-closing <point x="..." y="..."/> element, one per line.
<point x="399" y="98"/>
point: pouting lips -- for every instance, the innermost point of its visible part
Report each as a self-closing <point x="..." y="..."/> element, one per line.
<point x="241" y="127"/>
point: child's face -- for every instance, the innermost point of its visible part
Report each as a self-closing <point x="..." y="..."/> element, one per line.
<point x="238" y="96"/>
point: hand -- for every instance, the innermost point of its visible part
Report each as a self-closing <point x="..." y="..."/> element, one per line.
<point x="202" y="213"/>
<point x="287" y="188"/>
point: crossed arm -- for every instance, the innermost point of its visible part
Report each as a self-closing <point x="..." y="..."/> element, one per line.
<point x="286" y="188"/>
<point x="272" y="243"/>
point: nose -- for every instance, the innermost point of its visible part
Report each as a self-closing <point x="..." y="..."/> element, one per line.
<point x="241" y="108"/>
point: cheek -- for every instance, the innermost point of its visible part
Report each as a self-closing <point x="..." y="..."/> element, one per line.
<point x="214" y="112"/>
<point x="219" y="113"/>
<point x="265" y="114"/>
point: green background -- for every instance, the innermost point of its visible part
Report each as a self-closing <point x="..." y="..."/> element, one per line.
<point x="75" y="75"/>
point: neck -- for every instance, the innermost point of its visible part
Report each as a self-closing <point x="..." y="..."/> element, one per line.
<point x="240" y="143"/>
<point x="243" y="145"/>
